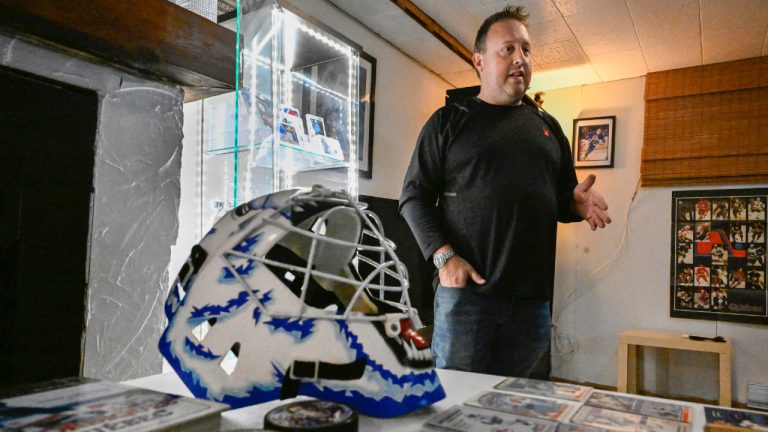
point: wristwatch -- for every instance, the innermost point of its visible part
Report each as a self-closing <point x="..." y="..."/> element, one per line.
<point x="441" y="258"/>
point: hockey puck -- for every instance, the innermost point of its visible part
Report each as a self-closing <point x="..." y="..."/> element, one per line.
<point x="312" y="415"/>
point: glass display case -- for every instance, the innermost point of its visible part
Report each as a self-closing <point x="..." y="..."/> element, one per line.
<point x="292" y="122"/>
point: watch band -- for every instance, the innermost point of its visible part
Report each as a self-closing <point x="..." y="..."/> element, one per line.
<point x="441" y="258"/>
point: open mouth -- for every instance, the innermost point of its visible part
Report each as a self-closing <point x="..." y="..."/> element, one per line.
<point x="517" y="75"/>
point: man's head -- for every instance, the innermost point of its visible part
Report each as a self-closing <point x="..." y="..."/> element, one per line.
<point x="502" y="57"/>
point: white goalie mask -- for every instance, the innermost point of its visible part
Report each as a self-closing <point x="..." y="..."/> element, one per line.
<point x="271" y="304"/>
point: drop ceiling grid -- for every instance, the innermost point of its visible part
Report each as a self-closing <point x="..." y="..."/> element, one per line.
<point x="592" y="40"/>
<point x="547" y="32"/>
<point x="733" y="30"/>
<point x="670" y="39"/>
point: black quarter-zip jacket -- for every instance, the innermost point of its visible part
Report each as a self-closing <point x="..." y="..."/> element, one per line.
<point x="492" y="181"/>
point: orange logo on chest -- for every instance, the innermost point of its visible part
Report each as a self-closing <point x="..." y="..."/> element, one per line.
<point x="546" y="131"/>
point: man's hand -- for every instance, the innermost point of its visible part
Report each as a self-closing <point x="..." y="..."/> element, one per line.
<point x="456" y="272"/>
<point x="589" y="204"/>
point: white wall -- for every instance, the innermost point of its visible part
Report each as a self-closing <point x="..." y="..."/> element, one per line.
<point x="406" y="95"/>
<point x="620" y="276"/>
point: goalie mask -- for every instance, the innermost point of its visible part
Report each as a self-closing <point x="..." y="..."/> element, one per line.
<point x="272" y="304"/>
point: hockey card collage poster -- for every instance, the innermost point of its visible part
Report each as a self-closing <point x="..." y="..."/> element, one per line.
<point x="718" y="255"/>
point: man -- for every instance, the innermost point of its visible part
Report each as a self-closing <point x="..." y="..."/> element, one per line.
<point x="502" y="172"/>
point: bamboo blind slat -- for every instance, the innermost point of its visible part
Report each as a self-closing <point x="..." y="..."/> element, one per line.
<point x="714" y="78"/>
<point x="707" y="167"/>
<point x="707" y="125"/>
<point x="701" y="181"/>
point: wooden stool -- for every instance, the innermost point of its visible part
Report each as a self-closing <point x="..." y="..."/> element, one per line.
<point x="630" y="339"/>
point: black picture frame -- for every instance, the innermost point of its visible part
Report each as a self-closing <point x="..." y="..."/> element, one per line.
<point x="593" y="142"/>
<point x="718" y="256"/>
<point x="366" y="111"/>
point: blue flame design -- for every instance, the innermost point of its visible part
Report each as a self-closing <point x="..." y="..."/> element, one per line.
<point x="199" y="351"/>
<point x="299" y="328"/>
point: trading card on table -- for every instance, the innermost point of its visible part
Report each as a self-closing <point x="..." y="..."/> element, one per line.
<point x="681" y="413"/>
<point x="522" y="405"/>
<point x="570" y="427"/>
<point x="469" y="419"/>
<point x="544" y="388"/>
<point x="724" y="419"/>
<point x="623" y="421"/>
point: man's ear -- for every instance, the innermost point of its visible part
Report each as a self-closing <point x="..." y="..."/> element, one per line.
<point x="477" y="60"/>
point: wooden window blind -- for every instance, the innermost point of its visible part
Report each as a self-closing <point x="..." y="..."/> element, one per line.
<point x="707" y="125"/>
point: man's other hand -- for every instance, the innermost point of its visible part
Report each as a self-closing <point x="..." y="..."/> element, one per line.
<point x="456" y="272"/>
<point x="589" y="204"/>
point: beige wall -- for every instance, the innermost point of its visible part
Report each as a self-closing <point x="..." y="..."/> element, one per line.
<point x="619" y="277"/>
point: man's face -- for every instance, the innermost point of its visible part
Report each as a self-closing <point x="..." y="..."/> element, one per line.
<point x="505" y="66"/>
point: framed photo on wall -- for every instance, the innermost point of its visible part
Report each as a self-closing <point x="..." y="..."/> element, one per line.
<point x="367" y="92"/>
<point x="718" y="269"/>
<point x="593" y="142"/>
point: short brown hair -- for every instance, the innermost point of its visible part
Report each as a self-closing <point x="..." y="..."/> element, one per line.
<point x="510" y="12"/>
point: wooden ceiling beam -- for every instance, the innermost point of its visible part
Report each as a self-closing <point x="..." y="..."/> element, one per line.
<point x="435" y="29"/>
<point x="154" y="38"/>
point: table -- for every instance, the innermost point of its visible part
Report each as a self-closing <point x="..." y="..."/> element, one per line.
<point x="459" y="386"/>
<point x="630" y="339"/>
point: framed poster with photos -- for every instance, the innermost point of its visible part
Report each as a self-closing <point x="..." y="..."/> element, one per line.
<point x="718" y="257"/>
<point x="593" y="142"/>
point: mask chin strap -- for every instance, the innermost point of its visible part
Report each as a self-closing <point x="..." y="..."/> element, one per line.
<point x="314" y="370"/>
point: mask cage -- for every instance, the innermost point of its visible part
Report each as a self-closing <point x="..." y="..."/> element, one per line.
<point x="383" y="271"/>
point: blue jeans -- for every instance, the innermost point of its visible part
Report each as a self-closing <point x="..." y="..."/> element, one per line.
<point x="489" y="335"/>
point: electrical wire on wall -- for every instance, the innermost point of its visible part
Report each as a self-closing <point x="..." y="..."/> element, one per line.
<point x="563" y="341"/>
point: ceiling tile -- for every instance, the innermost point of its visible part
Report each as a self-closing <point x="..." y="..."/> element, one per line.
<point x="619" y="65"/>
<point x="594" y="17"/>
<point x="463" y="26"/>
<point x="733" y="30"/>
<point x="560" y="54"/>
<point x="671" y="40"/>
<point x="606" y="43"/>
<point x="548" y="32"/>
